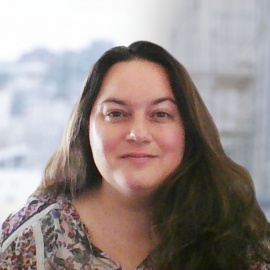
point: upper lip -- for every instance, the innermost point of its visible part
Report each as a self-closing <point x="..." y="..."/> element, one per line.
<point x="138" y="155"/>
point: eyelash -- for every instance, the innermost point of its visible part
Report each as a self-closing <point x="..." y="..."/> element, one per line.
<point x="166" y="115"/>
<point x="112" y="114"/>
<point x="117" y="115"/>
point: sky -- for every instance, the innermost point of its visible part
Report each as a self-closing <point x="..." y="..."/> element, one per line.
<point x="73" y="24"/>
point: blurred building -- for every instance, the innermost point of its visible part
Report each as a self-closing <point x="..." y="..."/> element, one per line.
<point x="225" y="45"/>
<point x="37" y="94"/>
<point x="261" y="124"/>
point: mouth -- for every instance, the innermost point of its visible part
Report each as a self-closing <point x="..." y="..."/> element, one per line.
<point x="138" y="156"/>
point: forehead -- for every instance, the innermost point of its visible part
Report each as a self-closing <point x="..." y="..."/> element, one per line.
<point x="137" y="79"/>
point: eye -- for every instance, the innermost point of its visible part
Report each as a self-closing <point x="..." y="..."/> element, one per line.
<point x="115" y="114"/>
<point x="162" y="115"/>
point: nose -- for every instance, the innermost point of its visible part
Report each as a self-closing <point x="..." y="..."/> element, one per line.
<point x="139" y="131"/>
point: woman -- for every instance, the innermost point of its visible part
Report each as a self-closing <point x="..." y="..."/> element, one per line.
<point x="140" y="180"/>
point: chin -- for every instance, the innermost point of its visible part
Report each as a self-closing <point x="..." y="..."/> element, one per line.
<point x="137" y="183"/>
<point x="137" y="188"/>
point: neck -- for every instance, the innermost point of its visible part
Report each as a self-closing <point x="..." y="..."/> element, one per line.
<point x="126" y="201"/>
<point x="128" y="206"/>
<point x="123" y="208"/>
<point x="113" y="217"/>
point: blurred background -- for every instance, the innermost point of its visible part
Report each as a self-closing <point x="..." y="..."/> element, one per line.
<point x="48" y="46"/>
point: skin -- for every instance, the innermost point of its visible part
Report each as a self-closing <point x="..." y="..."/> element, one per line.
<point x="137" y="139"/>
<point x="136" y="133"/>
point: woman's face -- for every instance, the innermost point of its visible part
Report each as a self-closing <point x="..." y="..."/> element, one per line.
<point x="136" y="133"/>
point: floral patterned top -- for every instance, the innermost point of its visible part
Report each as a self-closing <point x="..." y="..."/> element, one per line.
<point x="47" y="234"/>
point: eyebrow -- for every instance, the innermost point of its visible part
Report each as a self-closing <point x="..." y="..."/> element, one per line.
<point x="123" y="103"/>
<point x="113" y="100"/>
<point x="160" y="100"/>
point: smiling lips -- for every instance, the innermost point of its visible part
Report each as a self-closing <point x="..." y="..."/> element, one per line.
<point x="138" y="157"/>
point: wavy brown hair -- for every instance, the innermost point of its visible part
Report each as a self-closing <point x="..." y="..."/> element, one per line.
<point x="207" y="215"/>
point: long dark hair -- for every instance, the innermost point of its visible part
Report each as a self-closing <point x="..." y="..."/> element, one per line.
<point x="207" y="216"/>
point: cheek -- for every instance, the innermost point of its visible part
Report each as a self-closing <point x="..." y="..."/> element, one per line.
<point x="101" y="139"/>
<point x="173" y="142"/>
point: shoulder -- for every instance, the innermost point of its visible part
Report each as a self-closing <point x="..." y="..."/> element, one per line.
<point x="21" y="239"/>
<point x="36" y="207"/>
